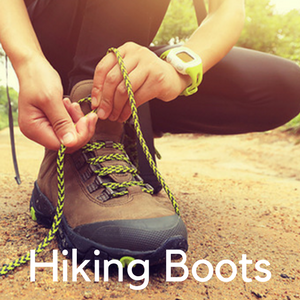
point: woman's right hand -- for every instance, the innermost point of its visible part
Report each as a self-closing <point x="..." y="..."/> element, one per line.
<point x="44" y="116"/>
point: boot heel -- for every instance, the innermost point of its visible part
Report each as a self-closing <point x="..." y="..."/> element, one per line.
<point x="41" y="210"/>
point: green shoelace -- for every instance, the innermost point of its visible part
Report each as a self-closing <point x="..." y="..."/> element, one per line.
<point x="104" y="171"/>
<point x="120" y="169"/>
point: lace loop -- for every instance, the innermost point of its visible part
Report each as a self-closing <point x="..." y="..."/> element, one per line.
<point x="102" y="171"/>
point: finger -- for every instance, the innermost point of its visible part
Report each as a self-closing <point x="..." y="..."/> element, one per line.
<point x="62" y="123"/>
<point x="101" y="71"/>
<point x="126" y="113"/>
<point x="85" y="128"/>
<point x="44" y="135"/>
<point x="38" y="128"/>
<point x="73" y="109"/>
<point x="110" y="84"/>
<point x="155" y="85"/>
<point x="138" y="77"/>
<point x="92" y="122"/>
<point x="114" y="93"/>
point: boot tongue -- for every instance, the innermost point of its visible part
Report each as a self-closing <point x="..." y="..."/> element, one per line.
<point x="105" y="130"/>
<point x="108" y="131"/>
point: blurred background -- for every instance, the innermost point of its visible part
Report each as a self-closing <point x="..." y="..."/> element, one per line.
<point x="271" y="26"/>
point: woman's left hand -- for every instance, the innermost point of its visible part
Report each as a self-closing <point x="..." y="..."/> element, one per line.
<point x="150" y="76"/>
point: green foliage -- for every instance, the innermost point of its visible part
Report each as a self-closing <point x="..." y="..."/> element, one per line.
<point x="179" y="23"/>
<point x="272" y="33"/>
<point x="289" y="37"/>
<point x="261" y="29"/>
<point x="4" y="106"/>
<point x="269" y="32"/>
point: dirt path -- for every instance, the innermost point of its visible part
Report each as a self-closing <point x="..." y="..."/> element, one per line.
<point x="238" y="195"/>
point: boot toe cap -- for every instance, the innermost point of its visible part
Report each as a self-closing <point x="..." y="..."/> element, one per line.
<point x="135" y="235"/>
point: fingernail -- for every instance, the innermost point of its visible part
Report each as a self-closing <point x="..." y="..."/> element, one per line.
<point x="68" y="138"/>
<point x="67" y="101"/>
<point x="101" y="113"/>
<point x="93" y="118"/>
<point x="94" y="102"/>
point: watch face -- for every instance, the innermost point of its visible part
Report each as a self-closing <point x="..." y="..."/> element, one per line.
<point x="184" y="56"/>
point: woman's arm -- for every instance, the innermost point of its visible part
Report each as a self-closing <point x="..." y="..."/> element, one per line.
<point x="17" y="35"/>
<point x="219" y="31"/>
<point x="43" y="115"/>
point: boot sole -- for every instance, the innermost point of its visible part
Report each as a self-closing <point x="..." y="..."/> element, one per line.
<point x="42" y="211"/>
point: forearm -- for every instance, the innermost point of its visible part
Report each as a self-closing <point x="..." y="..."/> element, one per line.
<point x="16" y="33"/>
<point x="219" y="31"/>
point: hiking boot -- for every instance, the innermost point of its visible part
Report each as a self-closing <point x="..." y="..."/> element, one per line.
<point x="107" y="205"/>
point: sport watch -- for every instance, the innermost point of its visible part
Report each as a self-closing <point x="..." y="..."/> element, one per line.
<point x="186" y="62"/>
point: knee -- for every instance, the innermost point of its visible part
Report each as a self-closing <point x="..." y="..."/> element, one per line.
<point x="285" y="92"/>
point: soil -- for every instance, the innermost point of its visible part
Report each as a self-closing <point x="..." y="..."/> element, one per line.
<point x="238" y="195"/>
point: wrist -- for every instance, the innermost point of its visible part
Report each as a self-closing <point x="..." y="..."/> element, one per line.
<point x="26" y="64"/>
<point x="187" y="63"/>
<point x="27" y="57"/>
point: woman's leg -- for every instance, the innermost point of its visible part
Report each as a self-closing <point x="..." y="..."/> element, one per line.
<point x="247" y="91"/>
<point x="76" y="34"/>
<point x="57" y="24"/>
<point x="109" y="24"/>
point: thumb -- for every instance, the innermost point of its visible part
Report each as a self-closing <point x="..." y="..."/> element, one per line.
<point x="62" y="124"/>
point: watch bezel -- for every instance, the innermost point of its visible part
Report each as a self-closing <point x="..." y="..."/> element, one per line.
<point x="180" y="65"/>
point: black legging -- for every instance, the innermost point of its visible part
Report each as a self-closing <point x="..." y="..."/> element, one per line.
<point x="76" y="34"/>
<point x="246" y="91"/>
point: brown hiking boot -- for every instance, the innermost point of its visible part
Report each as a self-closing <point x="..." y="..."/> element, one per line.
<point x="107" y="205"/>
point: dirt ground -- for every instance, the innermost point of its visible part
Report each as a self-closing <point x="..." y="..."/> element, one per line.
<point x="238" y="195"/>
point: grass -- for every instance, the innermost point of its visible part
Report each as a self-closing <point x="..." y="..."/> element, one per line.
<point x="293" y="126"/>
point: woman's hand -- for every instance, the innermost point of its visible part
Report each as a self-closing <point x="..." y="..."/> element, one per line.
<point x="150" y="76"/>
<point x="44" y="116"/>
